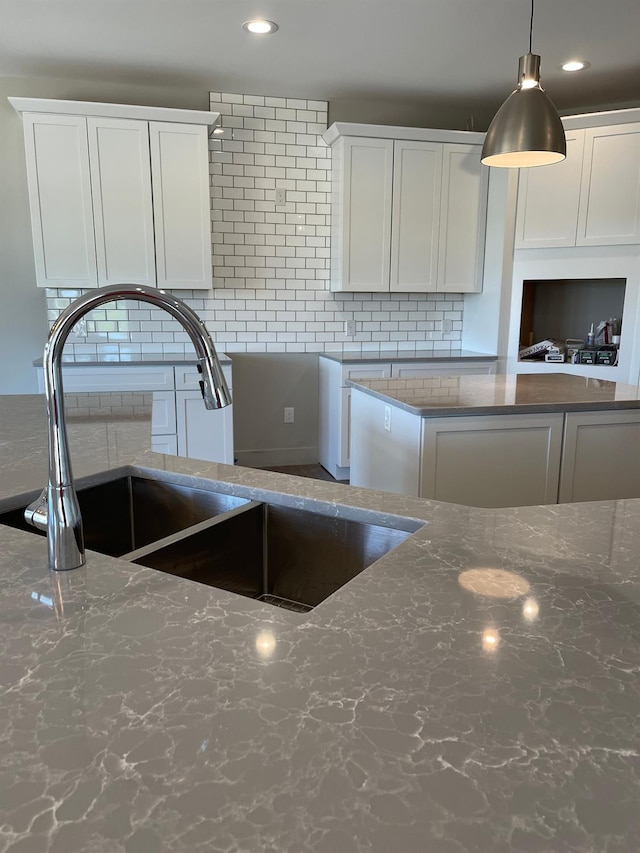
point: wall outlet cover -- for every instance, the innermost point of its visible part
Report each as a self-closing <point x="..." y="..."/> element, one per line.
<point x="387" y="418"/>
<point x="288" y="414"/>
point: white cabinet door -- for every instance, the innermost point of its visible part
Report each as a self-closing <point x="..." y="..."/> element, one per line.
<point x="122" y="210"/>
<point x="107" y="208"/>
<point x="181" y="205"/>
<point x="492" y="460"/>
<point x="415" y="225"/>
<point x="610" y="193"/>
<point x="163" y="414"/>
<point x="203" y="433"/>
<point x="601" y="456"/>
<point x="463" y="213"/>
<point x="549" y="198"/>
<point x="60" y="200"/>
<point x="363" y="227"/>
<point x="165" y="444"/>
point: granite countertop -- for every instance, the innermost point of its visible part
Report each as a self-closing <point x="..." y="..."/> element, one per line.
<point x="397" y="354"/>
<point x="441" y="396"/>
<point x="132" y="359"/>
<point x="477" y="689"/>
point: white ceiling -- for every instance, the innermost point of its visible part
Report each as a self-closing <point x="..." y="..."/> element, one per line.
<point x="458" y="53"/>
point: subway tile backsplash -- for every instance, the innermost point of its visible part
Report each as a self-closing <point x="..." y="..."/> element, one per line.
<point x="270" y="209"/>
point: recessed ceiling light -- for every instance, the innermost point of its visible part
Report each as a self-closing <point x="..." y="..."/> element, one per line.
<point x="574" y="65"/>
<point x="260" y="26"/>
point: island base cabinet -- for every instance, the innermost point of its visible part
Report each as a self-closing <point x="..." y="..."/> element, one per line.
<point x="492" y="460"/>
<point x="385" y="446"/>
<point x="601" y="456"/>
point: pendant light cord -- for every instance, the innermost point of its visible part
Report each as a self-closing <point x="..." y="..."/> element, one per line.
<point x="531" y="28"/>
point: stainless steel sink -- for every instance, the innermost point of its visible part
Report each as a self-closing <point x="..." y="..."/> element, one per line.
<point x="282" y="555"/>
<point x="129" y="512"/>
<point x="285" y="556"/>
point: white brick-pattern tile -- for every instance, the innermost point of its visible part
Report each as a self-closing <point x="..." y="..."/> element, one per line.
<point x="270" y="255"/>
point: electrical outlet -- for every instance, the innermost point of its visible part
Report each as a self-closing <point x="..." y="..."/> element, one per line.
<point x="281" y="196"/>
<point x="447" y="327"/>
<point x="288" y="414"/>
<point x="387" y="418"/>
<point x="350" y="328"/>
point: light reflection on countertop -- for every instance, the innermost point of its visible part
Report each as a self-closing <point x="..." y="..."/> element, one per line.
<point x="142" y="712"/>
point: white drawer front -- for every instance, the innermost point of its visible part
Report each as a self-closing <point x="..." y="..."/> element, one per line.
<point x="374" y="370"/>
<point x="120" y="378"/>
<point x="417" y="369"/>
<point x="188" y="378"/>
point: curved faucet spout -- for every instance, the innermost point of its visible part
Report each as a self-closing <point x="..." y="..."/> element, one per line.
<point x="57" y="510"/>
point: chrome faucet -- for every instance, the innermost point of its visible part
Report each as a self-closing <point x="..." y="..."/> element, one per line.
<point x="57" y="510"/>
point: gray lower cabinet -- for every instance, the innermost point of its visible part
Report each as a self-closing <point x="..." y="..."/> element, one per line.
<point x="601" y="456"/>
<point x="495" y="460"/>
<point x="492" y="460"/>
<point x="335" y="398"/>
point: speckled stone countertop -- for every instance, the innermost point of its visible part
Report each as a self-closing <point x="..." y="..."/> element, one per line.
<point x="393" y="355"/>
<point x="434" y="703"/>
<point x="493" y="395"/>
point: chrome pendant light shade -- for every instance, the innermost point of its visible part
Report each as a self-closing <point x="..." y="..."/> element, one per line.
<point x="526" y="130"/>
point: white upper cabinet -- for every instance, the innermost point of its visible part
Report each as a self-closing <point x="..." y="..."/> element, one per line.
<point x="122" y="208"/>
<point x="590" y="199"/>
<point x="548" y="200"/>
<point x="408" y="214"/>
<point x="60" y="200"/>
<point x="118" y="194"/>
<point x="463" y="213"/>
<point x="181" y="204"/>
<point x="610" y="192"/>
<point x="415" y="222"/>
<point x="361" y="213"/>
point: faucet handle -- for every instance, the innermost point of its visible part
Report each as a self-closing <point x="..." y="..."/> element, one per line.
<point x="36" y="513"/>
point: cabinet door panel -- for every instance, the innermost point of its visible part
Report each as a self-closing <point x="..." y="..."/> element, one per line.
<point x="60" y="200"/>
<point x="600" y="459"/>
<point x="610" y="197"/>
<point x="180" y="158"/>
<point x="548" y="200"/>
<point x="492" y="461"/>
<point x="462" y="219"/>
<point x="163" y="413"/>
<point x="417" y="176"/>
<point x="164" y="444"/>
<point x="203" y="433"/>
<point x="366" y="226"/>
<point x="122" y="210"/>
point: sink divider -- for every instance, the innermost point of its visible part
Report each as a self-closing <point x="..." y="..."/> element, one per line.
<point x="140" y="553"/>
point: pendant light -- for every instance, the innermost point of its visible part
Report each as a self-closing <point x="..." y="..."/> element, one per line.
<point x="526" y="130"/>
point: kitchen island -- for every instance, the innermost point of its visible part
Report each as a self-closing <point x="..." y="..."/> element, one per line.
<point x="474" y="690"/>
<point x="491" y="441"/>
<point x="337" y="368"/>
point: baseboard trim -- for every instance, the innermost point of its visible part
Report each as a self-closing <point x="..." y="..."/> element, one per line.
<point x="277" y="457"/>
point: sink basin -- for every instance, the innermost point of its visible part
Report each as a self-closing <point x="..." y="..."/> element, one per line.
<point x="129" y="512"/>
<point x="282" y="555"/>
